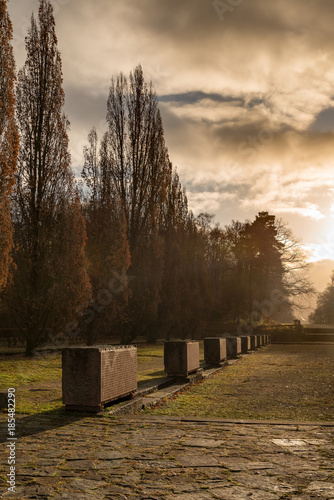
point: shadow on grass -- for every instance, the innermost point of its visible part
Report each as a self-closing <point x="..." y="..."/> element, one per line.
<point x="153" y="375"/>
<point x="29" y="425"/>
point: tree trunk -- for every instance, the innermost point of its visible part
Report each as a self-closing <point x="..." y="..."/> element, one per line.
<point x="30" y="348"/>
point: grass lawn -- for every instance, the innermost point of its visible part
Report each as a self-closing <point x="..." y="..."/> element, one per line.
<point x="279" y="382"/>
<point x="37" y="381"/>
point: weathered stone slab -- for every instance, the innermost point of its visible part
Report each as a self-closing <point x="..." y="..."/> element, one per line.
<point x="322" y="488"/>
<point x="181" y="357"/>
<point x="289" y="442"/>
<point x="86" y="484"/>
<point x="190" y="496"/>
<point x="110" y="455"/>
<point x="240" y="493"/>
<point x="203" y="443"/>
<point x="94" y="376"/>
<point x="192" y="460"/>
<point x="265" y="483"/>
<point x="214" y="350"/>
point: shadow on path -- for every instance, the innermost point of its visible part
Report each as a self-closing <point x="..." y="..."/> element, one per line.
<point x="29" y="425"/>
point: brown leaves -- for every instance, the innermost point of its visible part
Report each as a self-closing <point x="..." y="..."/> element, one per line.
<point x="8" y="141"/>
<point x="51" y="280"/>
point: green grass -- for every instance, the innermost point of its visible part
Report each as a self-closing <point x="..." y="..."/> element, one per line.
<point x="18" y="370"/>
<point x="150" y="359"/>
<point x="37" y="381"/>
<point x="276" y="383"/>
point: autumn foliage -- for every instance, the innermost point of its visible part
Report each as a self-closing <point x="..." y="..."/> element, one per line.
<point x="8" y="140"/>
<point x="118" y="254"/>
<point x="50" y="281"/>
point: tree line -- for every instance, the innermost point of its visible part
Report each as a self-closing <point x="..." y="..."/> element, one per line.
<point x="324" y="311"/>
<point x="118" y="253"/>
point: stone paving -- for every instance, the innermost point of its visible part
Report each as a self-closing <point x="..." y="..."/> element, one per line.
<point x="145" y="457"/>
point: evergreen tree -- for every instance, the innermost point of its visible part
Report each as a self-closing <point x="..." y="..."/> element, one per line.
<point x="263" y="256"/>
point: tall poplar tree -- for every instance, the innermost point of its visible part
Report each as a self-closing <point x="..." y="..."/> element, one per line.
<point x="8" y="140"/>
<point x="107" y="246"/>
<point x="50" y="282"/>
<point x="136" y="158"/>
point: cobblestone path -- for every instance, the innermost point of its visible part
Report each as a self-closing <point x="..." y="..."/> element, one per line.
<point x="141" y="457"/>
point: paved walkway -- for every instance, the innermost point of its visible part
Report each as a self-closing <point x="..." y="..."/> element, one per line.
<point x="141" y="457"/>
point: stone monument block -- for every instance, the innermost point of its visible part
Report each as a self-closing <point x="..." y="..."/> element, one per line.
<point x="181" y="357"/>
<point x="214" y="350"/>
<point x="254" y="342"/>
<point x="233" y="347"/>
<point x="94" y="376"/>
<point x="245" y="344"/>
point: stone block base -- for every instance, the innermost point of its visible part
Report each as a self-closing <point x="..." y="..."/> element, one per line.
<point x="181" y="357"/>
<point x="214" y="351"/>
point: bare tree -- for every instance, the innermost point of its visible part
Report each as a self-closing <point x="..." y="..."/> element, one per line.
<point x="296" y="280"/>
<point x="107" y="245"/>
<point x="134" y="154"/>
<point x="138" y="159"/>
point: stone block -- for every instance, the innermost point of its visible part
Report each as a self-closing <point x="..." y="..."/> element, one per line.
<point x="214" y="350"/>
<point x="245" y="344"/>
<point x="254" y="342"/>
<point x="94" y="376"/>
<point x="181" y="357"/>
<point x="233" y="347"/>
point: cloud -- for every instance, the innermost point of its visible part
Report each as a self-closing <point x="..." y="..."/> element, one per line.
<point x="207" y="201"/>
<point x="247" y="103"/>
<point x="324" y="121"/>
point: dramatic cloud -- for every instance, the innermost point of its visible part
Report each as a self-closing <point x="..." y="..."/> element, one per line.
<point x="246" y="94"/>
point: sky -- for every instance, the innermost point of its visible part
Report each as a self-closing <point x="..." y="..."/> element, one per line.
<point x="246" y="92"/>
